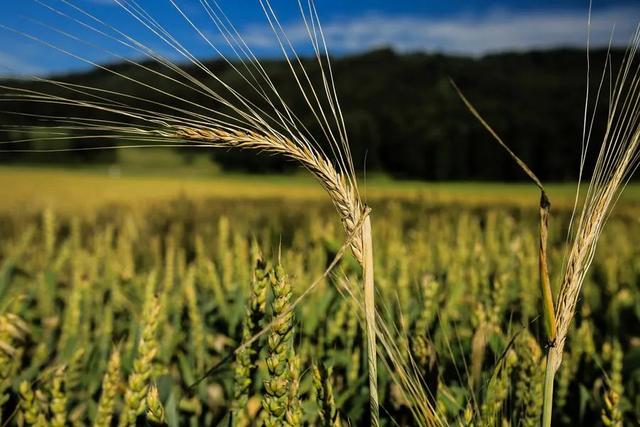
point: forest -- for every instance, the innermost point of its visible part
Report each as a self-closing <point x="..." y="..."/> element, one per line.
<point x="402" y="115"/>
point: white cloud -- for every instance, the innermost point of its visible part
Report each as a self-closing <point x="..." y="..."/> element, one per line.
<point x="495" y="31"/>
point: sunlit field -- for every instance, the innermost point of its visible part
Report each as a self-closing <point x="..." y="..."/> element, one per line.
<point x="87" y="189"/>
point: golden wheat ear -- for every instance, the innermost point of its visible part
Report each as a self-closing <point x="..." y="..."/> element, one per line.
<point x="618" y="159"/>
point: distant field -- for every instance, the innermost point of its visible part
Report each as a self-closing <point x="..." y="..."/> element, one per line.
<point x="87" y="189"/>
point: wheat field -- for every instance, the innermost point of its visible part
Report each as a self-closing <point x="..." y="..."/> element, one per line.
<point x="121" y="312"/>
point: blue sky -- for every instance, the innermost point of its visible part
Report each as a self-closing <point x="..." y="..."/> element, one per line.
<point x="468" y="27"/>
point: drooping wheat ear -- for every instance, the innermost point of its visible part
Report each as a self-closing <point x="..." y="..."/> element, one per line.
<point x="617" y="161"/>
<point x="110" y="384"/>
<point x="340" y="189"/>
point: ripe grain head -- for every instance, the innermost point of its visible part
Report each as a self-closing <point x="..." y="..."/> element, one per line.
<point x="618" y="158"/>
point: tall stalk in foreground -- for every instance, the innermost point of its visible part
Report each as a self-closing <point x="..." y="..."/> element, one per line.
<point x="618" y="159"/>
<point x="259" y="120"/>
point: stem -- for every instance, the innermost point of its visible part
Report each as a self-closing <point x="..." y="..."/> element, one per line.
<point x="549" y="375"/>
<point x="545" y="284"/>
<point x="370" y="319"/>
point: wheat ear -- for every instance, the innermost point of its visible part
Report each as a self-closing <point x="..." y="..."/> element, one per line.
<point x="339" y="188"/>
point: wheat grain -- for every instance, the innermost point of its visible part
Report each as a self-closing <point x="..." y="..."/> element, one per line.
<point x="430" y="288"/>
<point x="58" y="403"/>
<point x="612" y="412"/>
<point x="197" y="330"/>
<point x="327" y="412"/>
<point x="497" y="391"/>
<point x="32" y="412"/>
<point x="155" y="410"/>
<point x="530" y="371"/>
<point x="13" y="331"/>
<point x="294" y="414"/>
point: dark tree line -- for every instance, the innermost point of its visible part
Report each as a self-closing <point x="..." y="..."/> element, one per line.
<point x="401" y="111"/>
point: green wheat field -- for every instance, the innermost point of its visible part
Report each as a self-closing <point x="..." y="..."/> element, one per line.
<point x="120" y="291"/>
